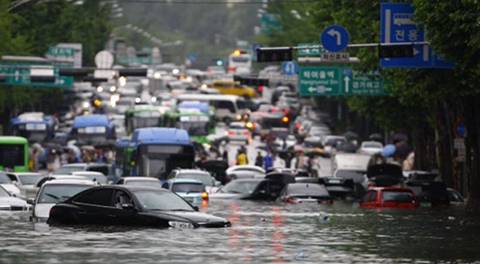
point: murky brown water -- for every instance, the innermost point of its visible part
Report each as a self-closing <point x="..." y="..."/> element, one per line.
<point x="261" y="233"/>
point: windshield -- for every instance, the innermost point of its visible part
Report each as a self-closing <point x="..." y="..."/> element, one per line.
<point x="372" y="145"/>
<point x="69" y="169"/>
<point x="162" y="200"/>
<point x="243" y="187"/>
<point x="204" y="178"/>
<point x="396" y="196"/>
<point x="187" y="187"/>
<point x="3" y="193"/>
<point x="12" y="155"/>
<point x="56" y="193"/>
<point x="29" y="179"/>
<point x="4" y="179"/>
<point x="350" y="174"/>
<point x="155" y="184"/>
<point x="194" y="128"/>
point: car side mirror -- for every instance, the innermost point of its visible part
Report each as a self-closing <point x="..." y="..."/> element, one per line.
<point x="31" y="201"/>
<point x="196" y="208"/>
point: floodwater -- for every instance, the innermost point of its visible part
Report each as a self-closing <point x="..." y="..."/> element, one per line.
<point x="261" y="233"/>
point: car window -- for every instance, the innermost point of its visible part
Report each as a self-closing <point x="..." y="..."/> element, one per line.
<point x="395" y="196"/>
<point x="56" y="193"/>
<point x="4" y="179"/>
<point x="188" y="187"/>
<point x="161" y="200"/>
<point x="243" y="187"/>
<point x="121" y="198"/>
<point x="204" y="178"/>
<point x="101" y="169"/>
<point x="101" y="197"/>
<point x="226" y="105"/>
<point x="29" y="179"/>
<point x="371" y="196"/>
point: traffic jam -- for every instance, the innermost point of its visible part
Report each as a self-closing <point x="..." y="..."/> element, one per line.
<point x="157" y="151"/>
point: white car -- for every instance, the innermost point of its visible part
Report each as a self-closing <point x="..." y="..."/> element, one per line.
<point x="210" y="183"/>
<point x="8" y="185"/>
<point x="246" y="171"/>
<point x="94" y="176"/>
<point x="26" y="182"/>
<point x="11" y="203"/>
<point x="371" y="147"/>
<point x="140" y="181"/>
<point x="56" y="191"/>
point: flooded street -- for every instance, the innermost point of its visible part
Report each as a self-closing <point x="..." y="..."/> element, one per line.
<point x="261" y="233"/>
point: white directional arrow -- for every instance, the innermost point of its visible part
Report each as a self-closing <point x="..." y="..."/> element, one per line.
<point x="332" y="32"/>
<point x="17" y="75"/>
<point x="312" y="89"/>
<point x="347" y="82"/>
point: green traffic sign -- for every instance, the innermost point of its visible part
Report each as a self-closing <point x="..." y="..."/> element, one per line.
<point x="310" y="50"/>
<point x="366" y="84"/>
<point x="320" y="81"/>
<point x="339" y="81"/>
<point x="61" y="52"/>
<point x="17" y="75"/>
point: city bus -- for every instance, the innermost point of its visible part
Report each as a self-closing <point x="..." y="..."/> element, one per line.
<point x="13" y="154"/>
<point x="139" y="116"/>
<point x="198" y="124"/>
<point x="227" y="107"/>
<point x="240" y="62"/>
<point x="34" y="126"/>
<point x="154" y="152"/>
<point x="92" y="130"/>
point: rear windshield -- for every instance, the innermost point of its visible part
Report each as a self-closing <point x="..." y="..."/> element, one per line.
<point x="29" y="179"/>
<point x="188" y="187"/>
<point x="396" y="196"/>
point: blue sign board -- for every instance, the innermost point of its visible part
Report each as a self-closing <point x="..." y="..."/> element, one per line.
<point x="397" y="25"/>
<point x="334" y="38"/>
<point x="290" y="68"/>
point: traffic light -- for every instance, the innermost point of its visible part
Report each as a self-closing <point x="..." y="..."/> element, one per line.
<point x="396" y="51"/>
<point x="274" y="54"/>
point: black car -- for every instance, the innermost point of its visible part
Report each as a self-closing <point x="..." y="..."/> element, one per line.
<point x="131" y="206"/>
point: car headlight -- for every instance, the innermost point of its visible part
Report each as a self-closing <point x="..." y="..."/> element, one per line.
<point x="179" y="224"/>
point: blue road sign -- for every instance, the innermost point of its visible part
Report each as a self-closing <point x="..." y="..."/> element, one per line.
<point x="290" y="68"/>
<point x="334" y="38"/>
<point x="397" y="26"/>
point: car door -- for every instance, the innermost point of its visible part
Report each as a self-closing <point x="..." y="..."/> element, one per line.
<point x="125" y="210"/>
<point x="95" y="207"/>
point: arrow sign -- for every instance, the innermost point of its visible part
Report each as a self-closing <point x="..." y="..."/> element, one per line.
<point x="347" y="82"/>
<point x="334" y="38"/>
<point x="332" y="32"/>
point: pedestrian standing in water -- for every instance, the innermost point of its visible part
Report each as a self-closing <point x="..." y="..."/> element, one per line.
<point x="259" y="160"/>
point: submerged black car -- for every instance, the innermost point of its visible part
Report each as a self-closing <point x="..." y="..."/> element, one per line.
<point x="131" y="206"/>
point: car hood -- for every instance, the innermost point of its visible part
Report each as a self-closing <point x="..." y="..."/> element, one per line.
<point x="196" y="218"/>
<point x="8" y="202"/>
<point x="42" y="210"/>
<point x="220" y="195"/>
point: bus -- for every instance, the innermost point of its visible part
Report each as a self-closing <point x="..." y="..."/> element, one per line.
<point x="227" y="107"/>
<point x="14" y="154"/>
<point x="198" y="124"/>
<point x="92" y="130"/>
<point x="154" y="152"/>
<point x="239" y="62"/>
<point x="140" y="116"/>
<point x="34" y="126"/>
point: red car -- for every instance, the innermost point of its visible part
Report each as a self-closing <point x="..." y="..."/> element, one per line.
<point x="389" y="197"/>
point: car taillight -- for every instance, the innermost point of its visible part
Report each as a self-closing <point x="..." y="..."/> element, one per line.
<point x="205" y="196"/>
<point x="298" y="125"/>
<point x="290" y="200"/>
<point x="231" y="133"/>
<point x="246" y="133"/>
<point x="260" y="88"/>
<point x="232" y="69"/>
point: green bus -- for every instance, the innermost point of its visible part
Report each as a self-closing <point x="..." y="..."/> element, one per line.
<point x="198" y="124"/>
<point x="14" y="154"/>
<point x="140" y="116"/>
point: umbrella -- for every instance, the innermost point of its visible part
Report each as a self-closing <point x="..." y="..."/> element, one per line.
<point x="389" y="150"/>
<point x="350" y="135"/>
<point x="75" y="149"/>
<point x="376" y="137"/>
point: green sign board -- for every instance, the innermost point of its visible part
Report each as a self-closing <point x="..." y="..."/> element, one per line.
<point x="61" y="52"/>
<point x="339" y="81"/>
<point x="310" y="50"/>
<point x="318" y="81"/>
<point x="19" y="75"/>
